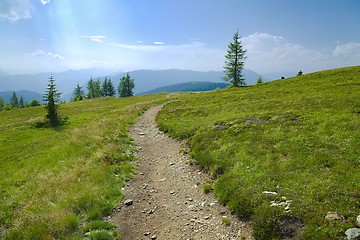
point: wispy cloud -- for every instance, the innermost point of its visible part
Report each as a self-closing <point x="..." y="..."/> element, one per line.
<point x="44" y="2"/>
<point x="14" y="10"/>
<point x="191" y="55"/>
<point x="140" y="47"/>
<point x="157" y="46"/>
<point x="40" y="52"/>
<point x="95" y="38"/>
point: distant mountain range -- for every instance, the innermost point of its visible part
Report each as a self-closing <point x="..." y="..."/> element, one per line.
<point x="189" y="87"/>
<point x="145" y="80"/>
<point x="28" y="96"/>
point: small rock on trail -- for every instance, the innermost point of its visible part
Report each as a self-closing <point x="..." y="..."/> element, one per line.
<point x="167" y="198"/>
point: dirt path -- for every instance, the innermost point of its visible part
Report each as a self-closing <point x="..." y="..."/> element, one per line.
<point x="167" y="197"/>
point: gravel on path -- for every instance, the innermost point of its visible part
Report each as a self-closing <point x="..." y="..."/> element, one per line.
<point x="165" y="200"/>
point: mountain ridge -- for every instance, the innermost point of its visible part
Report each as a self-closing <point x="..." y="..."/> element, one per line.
<point x="188" y="87"/>
<point x="145" y="80"/>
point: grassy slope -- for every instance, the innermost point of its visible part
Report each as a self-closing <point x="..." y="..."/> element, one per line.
<point x="300" y="134"/>
<point x="53" y="181"/>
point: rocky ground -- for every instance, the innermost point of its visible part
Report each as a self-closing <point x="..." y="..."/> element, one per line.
<point x="165" y="199"/>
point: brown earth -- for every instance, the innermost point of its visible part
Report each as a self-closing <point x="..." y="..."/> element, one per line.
<point x="167" y="197"/>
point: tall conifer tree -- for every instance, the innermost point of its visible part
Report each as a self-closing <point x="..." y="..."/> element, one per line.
<point x="21" y="102"/>
<point x="14" y="101"/>
<point x="78" y="93"/>
<point x="234" y="64"/>
<point x="52" y="99"/>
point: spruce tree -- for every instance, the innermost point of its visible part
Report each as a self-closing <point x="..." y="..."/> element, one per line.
<point x="14" y="101"/>
<point x="108" y="89"/>
<point x="234" y="64"/>
<point x="126" y="86"/>
<point x="97" y="89"/>
<point x="104" y="88"/>
<point x="52" y="99"/>
<point x="2" y="103"/>
<point x="259" y="80"/>
<point x="111" y="89"/>
<point x="78" y="93"/>
<point x="90" y="89"/>
<point x="21" y="102"/>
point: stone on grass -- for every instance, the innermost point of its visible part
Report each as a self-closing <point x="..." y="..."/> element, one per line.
<point x="270" y="193"/>
<point x="334" y="216"/>
<point x="353" y="234"/>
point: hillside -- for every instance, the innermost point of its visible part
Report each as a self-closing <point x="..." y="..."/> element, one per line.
<point x="188" y="87"/>
<point x="283" y="153"/>
<point x="56" y="183"/>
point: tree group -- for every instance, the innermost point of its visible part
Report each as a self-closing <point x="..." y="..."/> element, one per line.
<point x="16" y="102"/>
<point x="97" y="88"/>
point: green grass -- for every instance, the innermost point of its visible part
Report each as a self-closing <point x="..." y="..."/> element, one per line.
<point x="298" y="137"/>
<point x="207" y="188"/>
<point x="53" y="181"/>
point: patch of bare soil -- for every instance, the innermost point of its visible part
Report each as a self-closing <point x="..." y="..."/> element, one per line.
<point x="165" y="200"/>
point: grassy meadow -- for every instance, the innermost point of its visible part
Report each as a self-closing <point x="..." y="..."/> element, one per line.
<point x="298" y="137"/>
<point x="58" y="183"/>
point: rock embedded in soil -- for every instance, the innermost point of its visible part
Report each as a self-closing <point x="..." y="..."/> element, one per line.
<point x="129" y="202"/>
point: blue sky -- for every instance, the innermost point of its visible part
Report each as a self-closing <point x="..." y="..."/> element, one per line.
<point x="279" y="35"/>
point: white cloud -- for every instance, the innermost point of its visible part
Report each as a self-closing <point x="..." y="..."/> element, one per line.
<point x="346" y="49"/>
<point x="40" y="52"/>
<point x="44" y="2"/>
<point x="347" y="54"/>
<point x="271" y="53"/>
<point x="14" y="10"/>
<point x="95" y="38"/>
<point x="158" y="43"/>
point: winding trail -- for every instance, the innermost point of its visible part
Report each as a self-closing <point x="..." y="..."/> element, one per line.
<point x="166" y="193"/>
